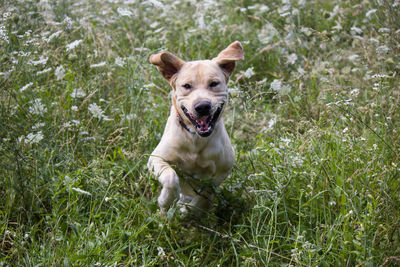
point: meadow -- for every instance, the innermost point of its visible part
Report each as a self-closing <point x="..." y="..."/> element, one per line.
<point x="313" y="115"/>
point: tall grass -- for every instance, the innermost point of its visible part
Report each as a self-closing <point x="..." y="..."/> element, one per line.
<point x="313" y="116"/>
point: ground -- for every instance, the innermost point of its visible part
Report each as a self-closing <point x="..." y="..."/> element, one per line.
<point x="313" y="115"/>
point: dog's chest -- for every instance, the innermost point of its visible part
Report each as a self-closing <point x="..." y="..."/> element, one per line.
<point x="198" y="165"/>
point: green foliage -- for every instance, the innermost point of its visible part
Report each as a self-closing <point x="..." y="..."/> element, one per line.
<point x="313" y="116"/>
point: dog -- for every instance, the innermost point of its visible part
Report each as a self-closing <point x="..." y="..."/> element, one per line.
<point x="195" y="143"/>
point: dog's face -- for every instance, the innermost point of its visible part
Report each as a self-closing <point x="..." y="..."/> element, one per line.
<point x="200" y="87"/>
<point x="200" y="94"/>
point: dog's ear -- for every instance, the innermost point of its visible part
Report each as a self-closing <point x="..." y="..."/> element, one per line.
<point x="167" y="64"/>
<point x="228" y="57"/>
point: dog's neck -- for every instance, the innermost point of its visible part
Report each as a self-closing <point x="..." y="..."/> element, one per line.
<point x="184" y="126"/>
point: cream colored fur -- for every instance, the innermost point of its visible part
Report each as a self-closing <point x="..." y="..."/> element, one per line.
<point x="201" y="161"/>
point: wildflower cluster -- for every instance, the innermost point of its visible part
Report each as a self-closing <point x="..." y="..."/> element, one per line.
<point x="313" y="116"/>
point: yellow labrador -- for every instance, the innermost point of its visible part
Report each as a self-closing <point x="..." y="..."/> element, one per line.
<point x="195" y="143"/>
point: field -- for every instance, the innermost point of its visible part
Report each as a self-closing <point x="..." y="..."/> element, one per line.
<point x="313" y="115"/>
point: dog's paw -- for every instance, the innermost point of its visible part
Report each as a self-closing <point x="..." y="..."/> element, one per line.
<point x="167" y="197"/>
<point x="183" y="201"/>
<point x="170" y="189"/>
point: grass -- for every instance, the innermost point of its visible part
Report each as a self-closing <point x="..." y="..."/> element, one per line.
<point x="314" y="118"/>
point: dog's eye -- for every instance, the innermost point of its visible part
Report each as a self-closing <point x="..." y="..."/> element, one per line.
<point x="187" y="86"/>
<point x="213" y="84"/>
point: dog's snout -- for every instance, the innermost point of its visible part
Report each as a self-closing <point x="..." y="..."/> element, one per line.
<point x="203" y="107"/>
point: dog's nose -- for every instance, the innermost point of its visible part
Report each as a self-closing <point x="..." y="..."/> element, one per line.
<point x="203" y="107"/>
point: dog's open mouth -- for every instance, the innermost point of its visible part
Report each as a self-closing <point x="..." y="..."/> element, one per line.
<point x="204" y="126"/>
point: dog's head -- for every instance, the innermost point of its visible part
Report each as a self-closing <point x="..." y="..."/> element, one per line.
<point x="200" y="87"/>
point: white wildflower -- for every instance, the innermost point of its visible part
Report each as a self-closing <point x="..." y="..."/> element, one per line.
<point x="74" y="108"/>
<point x="6" y="15"/>
<point x="384" y="30"/>
<point x="4" y="34"/>
<point x="200" y="22"/>
<point x="98" y="65"/>
<point x="351" y="212"/>
<point x="38" y="125"/>
<point x="124" y="12"/>
<point x="106" y="118"/>
<point x="59" y="72"/>
<point x="75" y="122"/>
<point x="353" y="57"/>
<point x="26" y="86"/>
<point x="345" y="130"/>
<point x="291" y="59"/>
<point x="382" y="50"/>
<point x="37" y="107"/>
<point x="355" y="92"/>
<point x="43" y="71"/>
<point x="334" y="12"/>
<point x="21" y="139"/>
<point x="233" y="92"/>
<point x="286" y="140"/>
<point x="276" y="85"/>
<point x="267" y="34"/>
<point x="119" y="62"/>
<point x="161" y="251"/>
<point x="370" y="12"/>
<point x="139" y="49"/>
<point x="52" y="36"/>
<point x="379" y="76"/>
<point x="73" y="45"/>
<point x="66" y="124"/>
<point x="284" y="10"/>
<point x="301" y="71"/>
<point x="78" y="93"/>
<point x="373" y="41"/>
<point x="96" y="111"/>
<point x="71" y="124"/>
<point x="149" y="86"/>
<point x="263" y="8"/>
<point x="156" y="3"/>
<point x="154" y="25"/>
<point x="249" y="72"/>
<point x="68" y="22"/>
<point x="271" y="123"/>
<point x="296" y="253"/>
<point x="307" y="31"/>
<point x="375" y="146"/>
<point x="34" y="138"/>
<point x="297" y="161"/>
<point x="338" y="26"/>
<point x="356" y="30"/>
<point x="130" y="116"/>
<point x="42" y="61"/>
<point x="81" y="191"/>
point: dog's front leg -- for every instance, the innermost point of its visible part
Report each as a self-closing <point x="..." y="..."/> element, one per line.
<point x="201" y="203"/>
<point x="169" y="181"/>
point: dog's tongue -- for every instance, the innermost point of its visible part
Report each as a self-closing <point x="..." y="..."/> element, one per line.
<point x="204" y="123"/>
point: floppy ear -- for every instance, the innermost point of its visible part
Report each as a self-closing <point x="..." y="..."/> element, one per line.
<point x="228" y="57"/>
<point x="167" y="64"/>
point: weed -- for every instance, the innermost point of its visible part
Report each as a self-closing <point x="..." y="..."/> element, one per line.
<point x="313" y="116"/>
